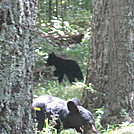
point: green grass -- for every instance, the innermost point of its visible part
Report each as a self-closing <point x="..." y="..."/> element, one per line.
<point x="121" y="129"/>
<point x="128" y="129"/>
<point x="65" y="90"/>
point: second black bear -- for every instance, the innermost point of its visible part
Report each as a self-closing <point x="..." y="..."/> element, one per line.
<point x="64" y="66"/>
<point x="69" y="114"/>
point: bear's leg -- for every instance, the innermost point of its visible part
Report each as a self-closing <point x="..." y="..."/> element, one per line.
<point x="79" y="76"/>
<point x="70" y="78"/>
<point x="41" y="119"/>
<point x="40" y="124"/>
<point x="60" y="77"/>
<point x="56" y="73"/>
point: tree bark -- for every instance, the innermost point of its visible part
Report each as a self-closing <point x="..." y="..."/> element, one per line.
<point x="110" y="67"/>
<point x="57" y="7"/>
<point x="16" y="64"/>
<point x="50" y="10"/>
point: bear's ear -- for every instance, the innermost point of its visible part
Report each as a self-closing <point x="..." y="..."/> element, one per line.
<point x="53" y="54"/>
<point x="72" y="107"/>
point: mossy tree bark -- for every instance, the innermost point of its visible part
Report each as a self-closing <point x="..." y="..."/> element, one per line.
<point x="111" y="60"/>
<point x="16" y="63"/>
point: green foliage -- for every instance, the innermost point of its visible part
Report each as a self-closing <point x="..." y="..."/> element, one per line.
<point x="65" y="90"/>
<point x="81" y="20"/>
<point x="49" y="129"/>
<point x="124" y="128"/>
<point x="97" y="114"/>
<point x="63" y="7"/>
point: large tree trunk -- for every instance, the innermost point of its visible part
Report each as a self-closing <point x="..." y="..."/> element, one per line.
<point x="16" y="64"/>
<point x="111" y="68"/>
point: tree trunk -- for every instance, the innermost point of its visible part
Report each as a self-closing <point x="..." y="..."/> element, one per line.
<point x="16" y="64"/>
<point x="111" y="68"/>
<point x="50" y="10"/>
<point x="57" y="7"/>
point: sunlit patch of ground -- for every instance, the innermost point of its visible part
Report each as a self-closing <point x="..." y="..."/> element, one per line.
<point x="122" y="130"/>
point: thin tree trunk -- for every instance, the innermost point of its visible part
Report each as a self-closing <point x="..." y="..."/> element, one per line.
<point x="50" y="10"/>
<point x="110" y="68"/>
<point x="57" y="7"/>
<point x="62" y="12"/>
<point x="68" y="3"/>
<point x="16" y="64"/>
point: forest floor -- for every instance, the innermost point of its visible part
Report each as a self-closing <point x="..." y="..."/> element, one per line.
<point x="122" y="130"/>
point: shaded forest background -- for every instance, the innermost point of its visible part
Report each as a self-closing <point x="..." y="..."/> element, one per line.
<point x="60" y="24"/>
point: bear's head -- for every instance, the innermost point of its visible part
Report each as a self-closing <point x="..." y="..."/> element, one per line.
<point x="80" y="119"/>
<point x="51" y="59"/>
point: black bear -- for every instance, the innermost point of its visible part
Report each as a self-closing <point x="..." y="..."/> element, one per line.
<point x="69" y="114"/>
<point x="64" y="66"/>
